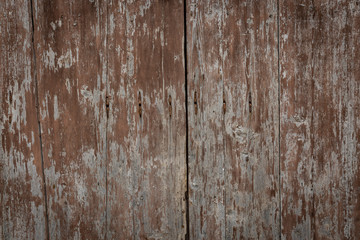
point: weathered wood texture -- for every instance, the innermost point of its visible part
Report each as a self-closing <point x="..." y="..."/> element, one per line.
<point x="71" y="70"/>
<point x="146" y="128"/>
<point x="111" y="90"/>
<point x="94" y="132"/>
<point x="22" y="211"/>
<point x="233" y="119"/>
<point x="320" y="124"/>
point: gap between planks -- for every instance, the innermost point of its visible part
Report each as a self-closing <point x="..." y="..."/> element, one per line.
<point x="187" y="234"/>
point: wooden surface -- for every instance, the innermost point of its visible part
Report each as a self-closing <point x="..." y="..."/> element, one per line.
<point x="111" y="89"/>
<point x="71" y="69"/>
<point x="146" y="128"/>
<point x="22" y="211"/>
<point x="233" y="119"/>
<point x="179" y="119"/>
<point x="320" y="109"/>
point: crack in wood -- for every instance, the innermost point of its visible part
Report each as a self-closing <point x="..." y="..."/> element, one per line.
<point x="38" y="115"/>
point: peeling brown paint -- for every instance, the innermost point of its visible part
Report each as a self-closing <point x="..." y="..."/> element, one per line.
<point x="71" y="71"/>
<point x="22" y="202"/>
<point x="233" y="159"/>
<point x="319" y="75"/>
<point x="147" y="151"/>
<point x="106" y="134"/>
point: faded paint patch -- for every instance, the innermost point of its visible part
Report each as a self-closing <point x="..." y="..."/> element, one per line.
<point x="56" y="108"/>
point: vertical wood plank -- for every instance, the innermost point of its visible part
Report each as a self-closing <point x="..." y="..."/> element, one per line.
<point x="250" y="73"/>
<point x="205" y="120"/>
<point x="121" y="111"/>
<point x="22" y="210"/>
<point x="146" y="128"/>
<point x="71" y="66"/>
<point x="320" y="105"/>
<point x="233" y="119"/>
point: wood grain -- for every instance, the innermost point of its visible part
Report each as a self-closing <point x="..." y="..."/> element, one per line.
<point x="22" y="211"/>
<point x="98" y="139"/>
<point x="71" y="66"/>
<point x="146" y="130"/>
<point x="233" y="119"/>
<point x="320" y="104"/>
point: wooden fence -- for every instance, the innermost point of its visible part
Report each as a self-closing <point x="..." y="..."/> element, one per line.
<point x="167" y="119"/>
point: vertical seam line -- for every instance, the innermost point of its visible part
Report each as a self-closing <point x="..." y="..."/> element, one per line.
<point x="279" y="112"/>
<point x="187" y="234"/>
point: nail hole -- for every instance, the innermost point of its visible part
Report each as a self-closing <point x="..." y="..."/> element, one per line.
<point x="170" y="105"/>
<point x="250" y="103"/>
<point x="140" y="107"/>
<point x="107" y="106"/>
<point x="195" y="102"/>
<point x="224" y="106"/>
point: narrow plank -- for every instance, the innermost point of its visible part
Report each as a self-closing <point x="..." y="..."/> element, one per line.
<point x="251" y="132"/>
<point x="22" y="212"/>
<point x="233" y="119"/>
<point x="205" y="119"/>
<point x="320" y="104"/>
<point x="71" y="67"/>
<point x="146" y="128"/>
<point x="121" y="110"/>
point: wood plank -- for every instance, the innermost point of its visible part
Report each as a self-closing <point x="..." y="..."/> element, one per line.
<point x="119" y="164"/>
<point x="146" y="129"/>
<point x="251" y="120"/>
<point x="233" y="119"/>
<point x="205" y="120"/>
<point x="22" y="211"/>
<point x="71" y="66"/>
<point x="320" y="128"/>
